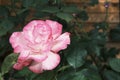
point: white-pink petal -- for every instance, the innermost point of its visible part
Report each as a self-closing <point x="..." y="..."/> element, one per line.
<point x="38" y="45"/>
<point x="61" y="42"/>
<point x="56" y="28"/>
<point x="51" y="62"/>
<point x="24" y="54"/>
<point x="42" y="32"/>
<point x="36" y="67"/>
<point x="18" y="42"/>
<point x="37" y="57"/>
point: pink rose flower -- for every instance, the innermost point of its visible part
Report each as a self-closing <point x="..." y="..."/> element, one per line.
<point x="39" y="44"/>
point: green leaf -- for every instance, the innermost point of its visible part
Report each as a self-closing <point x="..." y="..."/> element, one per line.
<point x="65" y="75"/>
<point x="39" y="13"/>
<point x="4" y="12"/>
<point x="83" y="15"/>
<point x="23" y="73"/>
<point x="27" y="3"/>
<point x="115" y="34"/>
<point x="111" y="75"/>
<point x="22" y="11"/>
<point x="94" y="49"/>
<point x="84" y="74"/>
<point x="72" y="75"/>
<point x="5" y="26"/>
<point x="33" y="3"/>
<point x="4" y="45"/>
<point x="8" y="63"/>
<point x="79" y="76"/>
<point x="101" y="25"/>
<point x="115" y="64"/>
<point x="29" y="75"/>
<point x="92" y="73"/>
<point x="112" y="52"/>
<point x="41" y="2"/>
<point x="55" y="3"/>
<point x="93" y="2"/>
<point x="70" y="9"/>
<point x="1" y="77"/>
<point x="98" y="37"/>
<point x="75" y="55"/>
<point x="51" y="10"/>
<point x="65" y="16"/>
<point x="48" y="75"/>
<point x="97" y="50"/>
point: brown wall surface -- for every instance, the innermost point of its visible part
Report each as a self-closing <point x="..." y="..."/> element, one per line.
<point x="95" y="13"/>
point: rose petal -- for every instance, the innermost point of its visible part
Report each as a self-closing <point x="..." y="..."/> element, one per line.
<point x="61" y="42"/>
<point x="23" y="56"/>
<point x="38" y="44"/>
<point x="36" y="67"/>
<point x="29" y="28"/>
<point x="51" y="62"/>
<point x="38" y="57"/>
<point x="42" y="32"/>
<point x="56" y="28"/>
<point x="18" y="66"/>
<point x="18" y="42"/>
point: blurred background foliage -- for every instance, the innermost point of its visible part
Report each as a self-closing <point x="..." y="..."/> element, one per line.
<point x="88" y="57"/>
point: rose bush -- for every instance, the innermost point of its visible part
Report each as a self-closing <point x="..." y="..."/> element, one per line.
<point x="39" y="44"/>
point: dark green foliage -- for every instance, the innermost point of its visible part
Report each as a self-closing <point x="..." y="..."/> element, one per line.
<point x="4" y="11"/>
<point x="111" y="75"/>
<point x="86" y="58"/>
<point x="76" y="55"/>
<point x="25" y="73"/>
<point x="5" y="26"/>
<point x="115" y="64"/>
<point x="8" y="63"/>
<point x="83" y="15"/>
<point x="65" y="16"/>
<point x="115" y="34"/>
<point x="101" y="25"/>
<point x="84" y="74"/>
<point x="72" y="75"/>
<point x="93" y="2"/>
<point x="70" y="9"/>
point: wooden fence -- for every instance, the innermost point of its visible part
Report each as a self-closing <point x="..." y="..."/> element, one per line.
<point x="95" y="13"/>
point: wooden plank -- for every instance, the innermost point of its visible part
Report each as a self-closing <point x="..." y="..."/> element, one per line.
<point x="112" y="1"/>
<point x="99" y="17"/>
<point x="101" y="8"/>
<point x="113" y="44"/>
<point x="81" y="1"/>
<point x="0" y="1"/>
<point x="97" y="13"/>
<point x="5" y="2"/>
